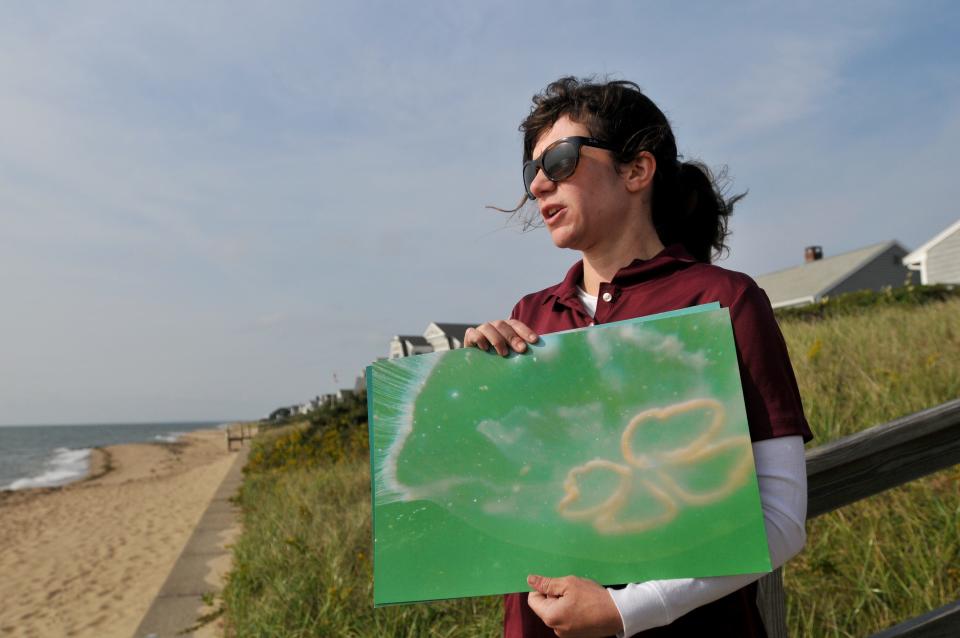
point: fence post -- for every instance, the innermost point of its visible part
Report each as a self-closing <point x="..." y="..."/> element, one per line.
<point x="772" y="603"/>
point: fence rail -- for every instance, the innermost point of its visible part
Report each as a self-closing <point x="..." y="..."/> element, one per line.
<point x="884" y="456"/>
<point x="240" y="432"/>
<point x="867" y="463"/>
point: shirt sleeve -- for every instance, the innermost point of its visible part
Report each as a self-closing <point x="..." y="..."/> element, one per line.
<point x="782" y="480"/>
<point x="770" y="392"/>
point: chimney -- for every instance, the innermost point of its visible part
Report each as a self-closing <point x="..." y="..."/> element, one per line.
<point x="812" y="253"/>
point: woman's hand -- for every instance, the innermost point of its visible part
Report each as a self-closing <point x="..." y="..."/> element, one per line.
<point x="574" y="607"/>
<point x="502" y="335"/>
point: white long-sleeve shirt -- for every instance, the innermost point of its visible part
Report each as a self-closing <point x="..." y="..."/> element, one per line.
<point x="782" y="481"/>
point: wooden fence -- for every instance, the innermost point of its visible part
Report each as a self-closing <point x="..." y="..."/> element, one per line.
<point x="867" y="463"/>
<point x="240" y="432"/>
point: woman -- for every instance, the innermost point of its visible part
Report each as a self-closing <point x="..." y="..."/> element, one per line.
<point x="601" y="163"/>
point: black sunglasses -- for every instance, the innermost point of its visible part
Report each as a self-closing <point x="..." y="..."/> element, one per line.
<point x="559" y="160"/>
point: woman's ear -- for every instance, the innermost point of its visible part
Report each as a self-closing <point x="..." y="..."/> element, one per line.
<point x="638" y="174"/>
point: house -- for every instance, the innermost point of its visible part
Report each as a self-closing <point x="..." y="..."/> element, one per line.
<point x="870" y="268"/>
<point x="279" y="414"/>
<point x="438" y="337"/>
<point x="938" y="260"/>
<point x="446" y="336"/>
<point x="408" y="345"/>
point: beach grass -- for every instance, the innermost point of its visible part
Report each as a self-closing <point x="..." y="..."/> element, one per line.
<point x="302" y="565"/>
<point x="896" y="555"/>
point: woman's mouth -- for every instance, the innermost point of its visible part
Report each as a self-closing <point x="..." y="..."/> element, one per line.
<point x="552" y="213"/>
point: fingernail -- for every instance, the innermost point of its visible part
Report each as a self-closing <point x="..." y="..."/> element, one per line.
<point x="533" y="337"/>
<point x="519" y="345"/>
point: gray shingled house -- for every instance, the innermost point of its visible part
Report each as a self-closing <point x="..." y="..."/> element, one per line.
<point x="938" y="260"/>
<point x="869" y="268"/>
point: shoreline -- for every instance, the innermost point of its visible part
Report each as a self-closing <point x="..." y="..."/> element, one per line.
<point x="65" y="458"/>
<point x="88" y="558"/>
<point x="101" y="464"/>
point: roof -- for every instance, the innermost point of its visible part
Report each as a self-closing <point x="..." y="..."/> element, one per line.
<point x="455" y="330"/>
<point x="919" y="253"/>
<point x="415" y="340"/>
<point x="809" y="280"/>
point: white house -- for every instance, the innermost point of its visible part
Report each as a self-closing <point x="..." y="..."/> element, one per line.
<point x="870" y="268"/>
<point x="446" y="336"/>
<point x="938" y="260"/>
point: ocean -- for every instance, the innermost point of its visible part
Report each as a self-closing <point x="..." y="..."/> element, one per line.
<point x="50" y="455"/>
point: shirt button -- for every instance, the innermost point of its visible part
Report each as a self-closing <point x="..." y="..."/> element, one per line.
<point x="607" y="296"/>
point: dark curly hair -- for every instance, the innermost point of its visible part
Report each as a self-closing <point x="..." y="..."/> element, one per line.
<point x="689" y="203"/>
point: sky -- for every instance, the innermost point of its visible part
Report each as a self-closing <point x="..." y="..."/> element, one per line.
<point x="209" y="210"/>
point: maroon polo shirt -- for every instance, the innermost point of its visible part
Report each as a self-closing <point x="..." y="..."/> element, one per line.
<point x="669" y="281"/>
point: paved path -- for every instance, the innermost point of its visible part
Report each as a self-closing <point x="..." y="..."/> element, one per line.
<point x="180" y="600"/>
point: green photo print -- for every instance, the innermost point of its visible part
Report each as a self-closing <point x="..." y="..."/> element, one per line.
<point x="618" y="452"/>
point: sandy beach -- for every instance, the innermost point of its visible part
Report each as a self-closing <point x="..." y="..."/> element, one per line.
<point x="89" y="558"/>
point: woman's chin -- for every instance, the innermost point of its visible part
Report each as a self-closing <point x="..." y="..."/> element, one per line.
<point x="561" y="238"/>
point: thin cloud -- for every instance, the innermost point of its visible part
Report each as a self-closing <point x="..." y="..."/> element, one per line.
<point x="254" y="194"/>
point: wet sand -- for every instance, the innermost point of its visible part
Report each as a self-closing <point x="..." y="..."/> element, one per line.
<point x="88" y="559"/>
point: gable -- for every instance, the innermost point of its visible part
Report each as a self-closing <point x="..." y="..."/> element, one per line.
<point x="915" y="257"/>
<point x="452" y="330"/>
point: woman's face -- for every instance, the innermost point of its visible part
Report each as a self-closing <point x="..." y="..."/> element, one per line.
<point x="589" y="208"/>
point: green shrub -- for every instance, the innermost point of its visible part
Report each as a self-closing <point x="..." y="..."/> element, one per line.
<point x="331" y="434"/>
<point x="865" y="300"/>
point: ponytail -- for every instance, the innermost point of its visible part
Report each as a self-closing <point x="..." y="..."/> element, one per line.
<point x="690" y="207"/>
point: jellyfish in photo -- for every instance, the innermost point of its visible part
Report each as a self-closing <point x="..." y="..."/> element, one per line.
<point x="600" y="436"/>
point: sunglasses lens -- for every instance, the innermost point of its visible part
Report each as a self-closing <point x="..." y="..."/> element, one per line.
<point x="560" y="161"/>
<point x="529" y="174"/>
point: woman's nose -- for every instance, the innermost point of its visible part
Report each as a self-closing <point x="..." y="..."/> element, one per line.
<point x="541" y="184"/>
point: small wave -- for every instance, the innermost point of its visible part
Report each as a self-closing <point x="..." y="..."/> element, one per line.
<point x="170" y="437"/>
<point x="66" y="465"/>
